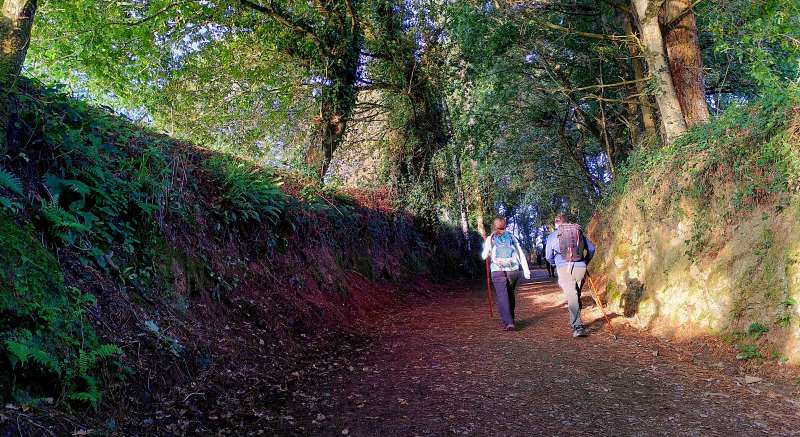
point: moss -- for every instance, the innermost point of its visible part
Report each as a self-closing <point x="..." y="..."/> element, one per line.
<point x="612" y="292"/>
<point x="43" y="334"/>
<point x="188" y="275"/>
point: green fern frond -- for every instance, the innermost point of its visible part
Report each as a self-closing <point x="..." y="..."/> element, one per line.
<point x="10" y="182"/>
<point x="61" y="219"/>
<point x="18" y="352"/>
<point x="92" y="397"/>
<point x="9" y="204"/>
<point x="45" y="360"/>
<point x="85" y="362"/>
<point x="105" y="351"/>
<point x="77" y="186"/>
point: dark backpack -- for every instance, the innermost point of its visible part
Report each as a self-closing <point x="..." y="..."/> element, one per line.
<point x="570" y="242"/>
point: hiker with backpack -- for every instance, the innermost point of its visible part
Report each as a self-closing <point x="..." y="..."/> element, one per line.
<point x="569" y="250"/>
<point x="506" y="259"/>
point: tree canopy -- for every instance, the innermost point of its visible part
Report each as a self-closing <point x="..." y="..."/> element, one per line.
<point x="464" y="109"/>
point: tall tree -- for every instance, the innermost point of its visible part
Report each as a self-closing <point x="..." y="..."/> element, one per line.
<point x="337" y="37"/>
<point x="685" y="63"/>
<point x="15" y="33"/>
<point x="669" y="107"/>
<point x="637" y="71"/>
<point x="240" y="62"/>
<point x="461" y="199"/>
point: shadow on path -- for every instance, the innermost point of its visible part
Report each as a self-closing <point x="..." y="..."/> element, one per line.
<point x="445" y="368"/>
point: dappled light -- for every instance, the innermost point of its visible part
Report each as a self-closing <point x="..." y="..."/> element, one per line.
<point x="399" y="217"/>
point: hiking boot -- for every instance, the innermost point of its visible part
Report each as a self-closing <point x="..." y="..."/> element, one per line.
<point x="580" y="332"/>
<point x="508" y="328"/>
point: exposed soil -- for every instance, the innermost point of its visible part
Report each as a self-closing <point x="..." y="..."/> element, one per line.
<point x="444" y="367"/>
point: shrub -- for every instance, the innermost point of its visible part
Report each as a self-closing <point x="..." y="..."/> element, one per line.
<point x="44" y="337"/>
<point x="248" y="194"/>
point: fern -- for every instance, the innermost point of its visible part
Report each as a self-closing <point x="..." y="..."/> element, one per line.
<point x="106" y="351"/>
<point x="45" y="360"/>
<point x="9" y="204"/>
<point x="10" y="182"/>
<point x="23" y="349"/>
<point x="91" y="396"/>
<point x="61" y="220"/>
<point x="85" y="362"/>
<point x="19" y="352"/>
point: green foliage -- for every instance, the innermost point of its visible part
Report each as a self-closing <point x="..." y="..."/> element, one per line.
<point x="98" y="193"/>
<point x="10" y="182"/>
<point x="748" y="352"/>
<point x="699" y="238"/>
<point x="248" y="194"/>
<point x="761" y="37"/>
<point x="756" y="330"/>
<point x="748" y="146"/>
<point x="47" y="343"/>
<point x="218" y="73"/>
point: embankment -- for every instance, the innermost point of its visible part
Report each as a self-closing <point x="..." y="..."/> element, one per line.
<point x="703" y="236"/>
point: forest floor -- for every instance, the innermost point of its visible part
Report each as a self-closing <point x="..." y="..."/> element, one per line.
<point x="443" y="367"/>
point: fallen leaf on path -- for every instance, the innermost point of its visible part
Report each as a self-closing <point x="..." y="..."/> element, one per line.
<point x="752" y="379"/>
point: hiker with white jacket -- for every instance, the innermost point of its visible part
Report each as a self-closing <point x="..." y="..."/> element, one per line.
<point x="506" y="259"/>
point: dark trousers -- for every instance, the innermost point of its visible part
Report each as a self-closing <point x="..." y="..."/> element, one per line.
<point x="504" y="285"/>
<point x="551" y="269"/>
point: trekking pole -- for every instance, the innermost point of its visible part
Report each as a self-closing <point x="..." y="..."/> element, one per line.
<point x="600" y="304"/>
<point x="489" y="289"/>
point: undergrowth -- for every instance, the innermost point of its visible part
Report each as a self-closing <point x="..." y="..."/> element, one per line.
<point x="101" y="188"/>
<point x="88" y="194"/>
<point x="722" y="189"/>
<point x="750" y="149"/>
<point x="45" y="336"/>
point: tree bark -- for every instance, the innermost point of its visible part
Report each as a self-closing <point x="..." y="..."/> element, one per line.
<point x="685" y="63"/>
<point x="341" y="52"/>
<point x="15" y="35"/>
<point x="462" y="202"/>
<point x="666" y="98"/>
<point x="648" y="120"/>
<point x="479" y="203"/>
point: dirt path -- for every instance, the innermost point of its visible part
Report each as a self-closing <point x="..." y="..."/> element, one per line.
<point x="447" y="369"/>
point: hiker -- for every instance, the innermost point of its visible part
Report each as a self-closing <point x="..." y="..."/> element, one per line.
<point x="551" y="269"/>
<point x="570" y="251"/>
<point x="551" y="273"/>
<point x="507" y="257"/>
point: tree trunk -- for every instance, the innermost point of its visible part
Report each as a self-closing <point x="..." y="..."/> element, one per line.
<point x="462" y="202"/>
<point x="15" y="35"/>
<point x="685" y="63"/>
<point x="648" y="120"/>
<point x="331" y="127"/>
<point x="338" y="101"/>
<point x="479" y="205"/>
<point x="666" y="97"/>
<point x="341" y="54"/>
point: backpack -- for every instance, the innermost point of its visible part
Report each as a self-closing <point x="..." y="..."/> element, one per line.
<point x="570" y="242"/>
<point x="504" y="250"/>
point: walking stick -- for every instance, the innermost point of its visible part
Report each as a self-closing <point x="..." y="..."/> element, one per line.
<point x="600" y="304"/>
<point x="489" y="289"/>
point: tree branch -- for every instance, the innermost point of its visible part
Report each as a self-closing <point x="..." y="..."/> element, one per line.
<point x="142" y="20"/>
<point x="281" y="17"/>
<point x="589" y="35"/>
<point x="683" y="13"/>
